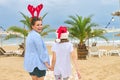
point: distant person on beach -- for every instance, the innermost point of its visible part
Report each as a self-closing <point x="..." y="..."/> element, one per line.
<point x="94" y="44"/>
<point x="61" y="58"/>
<point x="36" y="60"/>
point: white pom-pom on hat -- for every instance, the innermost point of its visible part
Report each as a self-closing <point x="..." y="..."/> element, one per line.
<point x="57" y="40"/>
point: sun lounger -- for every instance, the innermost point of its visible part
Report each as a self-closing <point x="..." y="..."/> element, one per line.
<point x="2" y="51"/>
<point x="95" y="51"/>
<point x="103" y="52"/>
<point x="111" y="52"/>
<point x="16" y="52"/>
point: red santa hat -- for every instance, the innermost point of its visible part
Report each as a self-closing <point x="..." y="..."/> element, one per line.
<point x="62" y="33"/>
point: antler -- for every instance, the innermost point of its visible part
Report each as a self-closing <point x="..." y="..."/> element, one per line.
<point x="38" y="9"/>
<point x="32" y="9"/>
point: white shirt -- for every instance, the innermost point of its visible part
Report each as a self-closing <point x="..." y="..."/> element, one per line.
<point x="63" y="62"/>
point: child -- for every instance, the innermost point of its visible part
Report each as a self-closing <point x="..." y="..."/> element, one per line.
<point x="62" y="50"/>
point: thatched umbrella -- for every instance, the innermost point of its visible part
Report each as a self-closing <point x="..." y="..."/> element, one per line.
<point x="5" y="33"/>
<point x="116" y="13"/>
<point x="117" y="34"/>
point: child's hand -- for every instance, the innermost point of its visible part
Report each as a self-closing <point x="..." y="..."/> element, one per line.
<point x="78" y="74"/>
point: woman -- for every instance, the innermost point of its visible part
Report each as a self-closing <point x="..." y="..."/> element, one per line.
<point x="36" y="60"/>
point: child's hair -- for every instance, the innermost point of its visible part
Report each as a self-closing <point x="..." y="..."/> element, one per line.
<point x="34" y="19"/>
<point x="63" y="40"/>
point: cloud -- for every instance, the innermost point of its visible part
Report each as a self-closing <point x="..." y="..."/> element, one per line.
<point x="58" y="10"/>
<point x="3" y="2"/>
<point x="109" y="2"/>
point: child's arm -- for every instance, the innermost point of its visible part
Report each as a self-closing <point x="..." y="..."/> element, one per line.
<point x="75" y="65"/>
<point x="53" y="60"/>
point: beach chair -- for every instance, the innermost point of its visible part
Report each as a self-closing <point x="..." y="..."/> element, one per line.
<point x="11" y="52"/>
<point x="2" y="51"/>
<point x="112" y="52"/>
<point x="22" y="46"/>
<point x="117" y="45"/>
<point x="94" y="51"/>
<point x="103" y="52"/>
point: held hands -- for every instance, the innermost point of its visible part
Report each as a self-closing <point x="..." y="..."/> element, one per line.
<point x="52" y="68"/>
<point x="49" y="67"/>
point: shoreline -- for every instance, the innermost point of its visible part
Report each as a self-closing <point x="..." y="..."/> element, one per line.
<point x="99" y="42"/>
<point x="107" y="46"/>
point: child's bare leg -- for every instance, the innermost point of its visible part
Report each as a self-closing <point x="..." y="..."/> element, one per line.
<point x="58" y="77"/>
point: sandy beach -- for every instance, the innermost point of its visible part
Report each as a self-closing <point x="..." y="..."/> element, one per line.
<point x="94" y="68"/>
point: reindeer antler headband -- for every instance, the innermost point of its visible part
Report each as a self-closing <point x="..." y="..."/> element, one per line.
<point x="32" y="9"/>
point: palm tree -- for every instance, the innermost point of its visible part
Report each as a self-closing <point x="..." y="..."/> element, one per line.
<point x="81" y="29"/>
<point x="24" y="31"/>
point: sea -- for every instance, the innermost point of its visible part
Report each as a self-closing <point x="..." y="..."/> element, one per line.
<point x="50" y="39"/>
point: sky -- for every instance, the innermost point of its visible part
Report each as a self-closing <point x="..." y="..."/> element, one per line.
<point x="59" y="11"/>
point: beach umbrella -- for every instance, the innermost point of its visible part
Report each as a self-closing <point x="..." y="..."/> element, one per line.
<point x="6" y="33"/>
<point x="111" y="30"/>
<point x="117" y="34"/>
<point x="116" y="13"/>
<point x="2" y="32"/>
